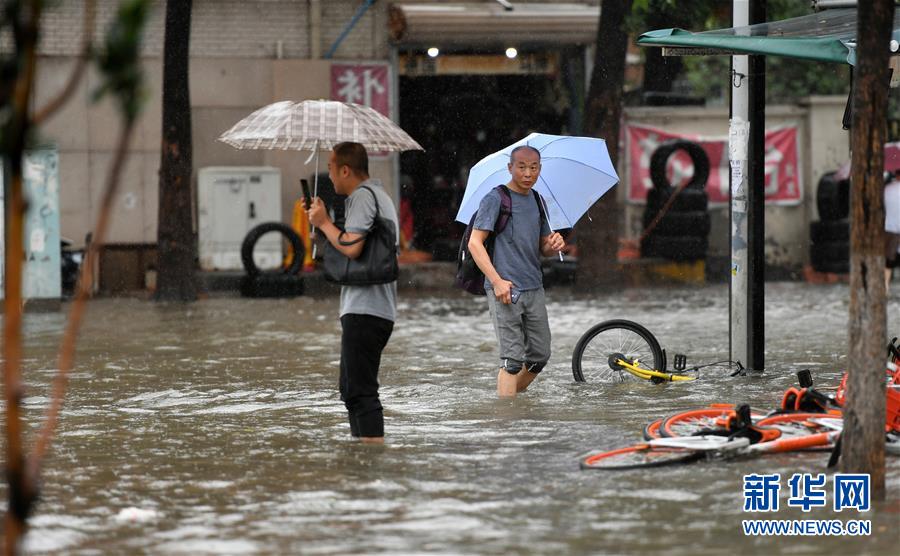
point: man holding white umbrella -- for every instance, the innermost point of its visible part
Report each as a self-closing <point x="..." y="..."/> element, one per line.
<point x="513" y="279"/>
<point x="367" y="312"/>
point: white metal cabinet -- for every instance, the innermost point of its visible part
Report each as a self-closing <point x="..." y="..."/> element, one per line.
<point x="231" y="201"/>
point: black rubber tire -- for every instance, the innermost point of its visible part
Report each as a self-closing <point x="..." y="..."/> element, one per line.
<point x="829" y="230"/>
<point x="271" y="285"/>
<point x="607" y="337"/>
<point x="660" y="158"/>
<point x="833" y="267"/>
<point x="830" y="251"/>
<point x="833" y="198"/>
<point x="639" y="456"/>
<point x="260" y="230"/>
<point x="675" y="248"/>
<point x="833" y="256"/>
<point x="694" y="223"/>
<point x="686" y="200"/>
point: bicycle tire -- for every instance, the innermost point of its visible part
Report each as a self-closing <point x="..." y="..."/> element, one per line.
<point x="709" y="420"/>
<point x="796" y="424"/>
<point x="651" y="430"/>
<point x="638" y="456"/>
<point x="614" y="336"/>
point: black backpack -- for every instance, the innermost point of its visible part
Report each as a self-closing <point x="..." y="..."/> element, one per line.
<point x="468" y="276"/>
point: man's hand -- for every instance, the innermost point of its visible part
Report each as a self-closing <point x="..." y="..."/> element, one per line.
<point x="317" y="214"/>
<point x="502" y="291"/>
<point x="553" y="242"/>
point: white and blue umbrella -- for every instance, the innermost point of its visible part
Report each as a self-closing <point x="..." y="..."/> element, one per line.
<point x="575" y="172"/>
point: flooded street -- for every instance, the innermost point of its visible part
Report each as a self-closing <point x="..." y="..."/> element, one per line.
<point x="217" y="428"/>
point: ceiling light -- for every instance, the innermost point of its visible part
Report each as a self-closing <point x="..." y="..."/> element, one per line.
<point x="433" y="52"/>
<point x="511" y="53"/>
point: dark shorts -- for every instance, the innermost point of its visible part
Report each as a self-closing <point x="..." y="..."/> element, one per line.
<point x="363" y="338"/>
<point x="891" y="245"/>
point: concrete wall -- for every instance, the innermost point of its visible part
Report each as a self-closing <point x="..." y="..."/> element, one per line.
<point x="823" y="146"/>
<point x="234" y="70"/>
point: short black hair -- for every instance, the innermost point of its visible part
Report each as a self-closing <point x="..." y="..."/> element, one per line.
<point x="352" y="155"/>
<point x="512" y="155"/>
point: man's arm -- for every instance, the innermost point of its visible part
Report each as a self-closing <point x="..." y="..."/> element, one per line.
<point x="319" y="218"/>
<point x="483" y="260"/>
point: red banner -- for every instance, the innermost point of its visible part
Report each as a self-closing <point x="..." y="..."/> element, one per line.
<point x="782" y="182"/>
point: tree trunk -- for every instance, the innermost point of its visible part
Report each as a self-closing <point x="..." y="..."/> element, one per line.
<point x="598" y="230"/>
<point x="863" y="437"/>
<point x="176" y="244"/>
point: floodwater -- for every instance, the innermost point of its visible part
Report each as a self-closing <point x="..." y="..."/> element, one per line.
<point x="216" y="428"/>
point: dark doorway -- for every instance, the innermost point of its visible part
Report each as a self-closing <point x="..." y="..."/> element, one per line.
<point x="460" y="119"/>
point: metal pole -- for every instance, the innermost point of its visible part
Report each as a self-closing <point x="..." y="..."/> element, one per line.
<point x="738" y="138"/>
<point x="756" y="210"/>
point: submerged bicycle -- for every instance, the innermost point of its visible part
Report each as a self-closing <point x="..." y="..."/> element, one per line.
<point x="614" y="349"/>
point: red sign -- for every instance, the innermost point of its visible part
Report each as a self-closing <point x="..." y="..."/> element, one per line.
<point x="366" y="83"/>
<point x="782" y="181"/>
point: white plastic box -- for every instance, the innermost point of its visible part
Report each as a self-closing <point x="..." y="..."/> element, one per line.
<point x="232" y="200"/>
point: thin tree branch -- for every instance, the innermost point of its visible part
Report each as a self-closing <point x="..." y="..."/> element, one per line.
<point x="86" y="43"/>
<point x="83" y="291"/>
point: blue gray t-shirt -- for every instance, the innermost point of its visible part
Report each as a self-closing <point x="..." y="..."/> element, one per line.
<point x="517" y="254"/>
<point x="379" y="300"/>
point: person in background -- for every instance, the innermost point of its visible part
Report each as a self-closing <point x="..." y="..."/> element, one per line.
<point x="891" y="228"/>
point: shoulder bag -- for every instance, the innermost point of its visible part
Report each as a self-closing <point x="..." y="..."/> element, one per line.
<point x="377" y="264"/>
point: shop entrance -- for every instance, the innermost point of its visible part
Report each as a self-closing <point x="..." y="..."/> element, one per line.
<point x="460" y="119"/>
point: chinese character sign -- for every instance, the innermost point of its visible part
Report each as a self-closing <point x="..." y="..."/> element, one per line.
<point x="368" y="84"/>
<point x="761" y="492"/>
<point x="782" y="178"/>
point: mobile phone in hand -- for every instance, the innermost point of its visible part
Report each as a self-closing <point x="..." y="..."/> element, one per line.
<point x="307" y="199"/>
<point x="514" y="295"/>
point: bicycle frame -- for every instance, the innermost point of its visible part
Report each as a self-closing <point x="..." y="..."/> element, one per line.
<point x="648" y="374"/>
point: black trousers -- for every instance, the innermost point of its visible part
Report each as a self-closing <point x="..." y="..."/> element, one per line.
<point x="363" y="337"/>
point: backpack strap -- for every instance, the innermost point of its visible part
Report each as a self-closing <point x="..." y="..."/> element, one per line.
<point x="505" y="209"/>
<point x="540" y="203"/>
<point x="374" y="221"/>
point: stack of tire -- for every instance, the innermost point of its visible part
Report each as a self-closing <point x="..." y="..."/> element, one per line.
<point x="281" y="282"/>
<point x="682" y="232"/>
<point x="829" y="250"/>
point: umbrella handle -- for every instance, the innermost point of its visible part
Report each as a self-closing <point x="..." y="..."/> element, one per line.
<point x="547" y="215"/>
<point x="315" y="193"/>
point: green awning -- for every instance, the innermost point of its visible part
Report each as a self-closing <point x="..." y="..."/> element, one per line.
<point x="828" y="36"/>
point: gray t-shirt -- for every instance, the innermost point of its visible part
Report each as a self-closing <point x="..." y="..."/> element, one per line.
<point x="379" y="300"/>
<point x="517" y="254"/>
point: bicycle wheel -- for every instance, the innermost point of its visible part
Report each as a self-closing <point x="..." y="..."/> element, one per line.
<point x="801" y="424"/>
<point x="592" y="355"/>
<point x="709" y="420"/>
<point x="638" y="456"/>
<point x="651" y="430"/>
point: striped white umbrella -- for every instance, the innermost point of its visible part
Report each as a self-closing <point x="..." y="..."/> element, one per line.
<point x="317" y="125"/>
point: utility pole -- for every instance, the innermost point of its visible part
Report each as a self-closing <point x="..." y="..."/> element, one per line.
<point x="746" y="142"/>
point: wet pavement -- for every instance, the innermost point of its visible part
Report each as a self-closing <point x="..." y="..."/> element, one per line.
<point x="216" y="428"/>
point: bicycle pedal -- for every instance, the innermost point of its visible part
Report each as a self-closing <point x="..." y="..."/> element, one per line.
<point x="680" y="363"/>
